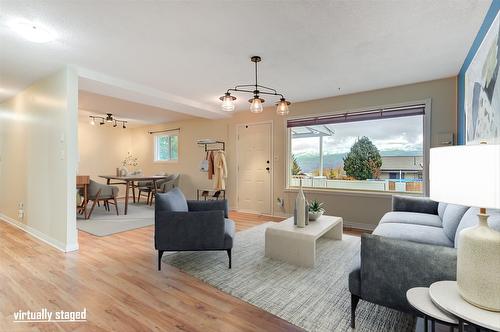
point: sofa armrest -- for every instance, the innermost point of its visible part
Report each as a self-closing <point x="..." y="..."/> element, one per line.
<point x="414" y="204"/>
<point x="389" y="267"/>
<point x="200" y="230"/>
<point x="212" y="205"/>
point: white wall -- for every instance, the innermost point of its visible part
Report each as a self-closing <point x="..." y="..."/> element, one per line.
<point x="38" y="139"/>
<point x="357" y="209"/>
<point x="102" y="149"/>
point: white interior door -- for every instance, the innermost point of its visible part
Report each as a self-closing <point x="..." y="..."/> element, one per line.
<point x="255" y="168"/>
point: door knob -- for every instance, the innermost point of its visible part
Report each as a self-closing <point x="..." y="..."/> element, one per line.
<point x="267" y="168"/>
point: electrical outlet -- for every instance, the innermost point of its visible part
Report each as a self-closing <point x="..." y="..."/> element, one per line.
<point x="20" y="211"/>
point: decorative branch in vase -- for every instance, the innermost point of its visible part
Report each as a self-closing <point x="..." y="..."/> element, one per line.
<point x="129" y="161"/>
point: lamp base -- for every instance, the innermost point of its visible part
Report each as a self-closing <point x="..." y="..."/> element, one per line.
<point x="478" y="265"/>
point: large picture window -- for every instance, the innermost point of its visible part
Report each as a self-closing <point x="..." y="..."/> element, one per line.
<point x="166" y="147"/>
<point x="378" y="150"/>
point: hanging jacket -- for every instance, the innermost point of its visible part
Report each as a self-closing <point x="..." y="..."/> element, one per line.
<point x="211" y="168"/>
<point x="220" y="170"/>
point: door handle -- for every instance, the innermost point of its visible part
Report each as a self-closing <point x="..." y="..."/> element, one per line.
<point x="267" y="168"/>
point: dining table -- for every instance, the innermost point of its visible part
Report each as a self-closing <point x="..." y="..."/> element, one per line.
<point x="129" y="180"/>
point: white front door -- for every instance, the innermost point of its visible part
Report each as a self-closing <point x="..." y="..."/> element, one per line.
<point x="254" y="168"/>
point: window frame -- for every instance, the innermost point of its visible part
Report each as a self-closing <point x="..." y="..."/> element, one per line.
<point x="426" y="148"/>
<point x="156" y="137"/>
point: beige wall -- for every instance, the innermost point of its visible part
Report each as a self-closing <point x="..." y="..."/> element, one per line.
<point x="38" y="159"/>
<point x="358" y="209"/>
<point x="102" y="149"/>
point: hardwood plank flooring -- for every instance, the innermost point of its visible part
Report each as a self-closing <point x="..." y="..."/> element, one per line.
<point x="116" y="280"/>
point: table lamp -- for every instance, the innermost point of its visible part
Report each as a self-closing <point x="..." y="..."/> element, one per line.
<point x="470" y="175"/>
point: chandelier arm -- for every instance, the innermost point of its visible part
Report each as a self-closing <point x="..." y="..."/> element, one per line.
<point x="268" y="88"/>
<point x="272" y="94"/>
<point x="243" y="85"/>
<point x="239" y="90"/>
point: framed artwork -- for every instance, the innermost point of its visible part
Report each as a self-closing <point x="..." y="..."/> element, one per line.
<point x="482" y="90"/>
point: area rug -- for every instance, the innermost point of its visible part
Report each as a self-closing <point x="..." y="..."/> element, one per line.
<point x="104" y="223"/>
<point x="316" y="299"/>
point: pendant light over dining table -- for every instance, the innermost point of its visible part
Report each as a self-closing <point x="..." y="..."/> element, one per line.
<point x="256" y="103"/>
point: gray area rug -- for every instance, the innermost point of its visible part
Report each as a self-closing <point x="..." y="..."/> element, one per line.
<point x="315" y="299"/>
<point x="104" y="223"/>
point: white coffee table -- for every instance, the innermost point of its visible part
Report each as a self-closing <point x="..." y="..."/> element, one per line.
<point x="289" y="243"/>
<point x="446" y="296"/>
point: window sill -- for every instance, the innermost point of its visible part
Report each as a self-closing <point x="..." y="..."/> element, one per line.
<point x="357" y="193"/>
<point x="165" y="161"/>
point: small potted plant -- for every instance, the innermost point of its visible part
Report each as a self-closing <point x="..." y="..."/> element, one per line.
<point x="315" y="210"/>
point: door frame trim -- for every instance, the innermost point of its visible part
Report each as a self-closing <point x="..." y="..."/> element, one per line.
<point x="238" y="126"/>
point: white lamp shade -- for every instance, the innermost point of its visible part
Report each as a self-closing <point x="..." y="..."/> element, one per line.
<point x="467" y="175"/>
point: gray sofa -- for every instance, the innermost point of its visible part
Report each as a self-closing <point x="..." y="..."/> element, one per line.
<point x="182" y="225"/>
<point x="414" y="245"/>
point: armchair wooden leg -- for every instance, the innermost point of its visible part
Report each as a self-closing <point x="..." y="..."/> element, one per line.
<point x="229" y="255"/>
<point x="160" y="253"/>
<point x="96" y="200"/>
<point x="116" y="206"/>
<point x="354" y="304"/>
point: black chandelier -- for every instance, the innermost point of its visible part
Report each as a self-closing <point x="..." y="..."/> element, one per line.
<point x="256" y="101"/>
<point x="107" y="119"/>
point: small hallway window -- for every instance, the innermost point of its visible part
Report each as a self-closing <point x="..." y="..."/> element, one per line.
<point x="166" y="147"/>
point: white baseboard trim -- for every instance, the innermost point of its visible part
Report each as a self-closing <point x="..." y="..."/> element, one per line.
<point x="39" y="235"/>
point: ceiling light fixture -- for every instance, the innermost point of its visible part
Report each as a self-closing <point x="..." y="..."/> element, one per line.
<point x="32" y="31"/>
<point x="256" y="102"/>
<point x="107" y="119"/>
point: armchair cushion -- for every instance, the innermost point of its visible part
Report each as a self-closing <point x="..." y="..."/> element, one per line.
<point x="414" y="218"/>
<point x="414" y="233"/>
<point x="172" y="201"/>
<point x="229" y="232"/>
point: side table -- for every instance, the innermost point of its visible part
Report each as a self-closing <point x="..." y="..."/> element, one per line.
<point x="419" y="299"/>
<point x="446" y="296"/>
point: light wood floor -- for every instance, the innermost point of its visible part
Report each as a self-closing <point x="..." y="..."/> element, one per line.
<point x="116" y="280"/>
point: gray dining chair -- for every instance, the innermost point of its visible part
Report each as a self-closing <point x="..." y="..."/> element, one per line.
<point x="162" y="186"/>
<point x="98" y="192"/>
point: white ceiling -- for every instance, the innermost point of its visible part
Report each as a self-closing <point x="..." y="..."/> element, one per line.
<point x="183" y="55"/>
<point x="136" y="114"/>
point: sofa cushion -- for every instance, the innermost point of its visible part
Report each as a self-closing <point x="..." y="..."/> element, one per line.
<point x="470" y="219"/>
<point x="172" y="201"/>
<point x="414" y="233"/>
<point x="411" y="218"/>
<point x="441" y="209"/>
<point x="451" y="218"/>
<point x="229" y="231"/>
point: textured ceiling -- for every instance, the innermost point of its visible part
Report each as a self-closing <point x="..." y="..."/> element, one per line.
<point x="190" y="52"/>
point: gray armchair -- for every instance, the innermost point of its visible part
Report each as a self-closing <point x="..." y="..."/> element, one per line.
<point x="98" y="192"/>
<point x="182" y="225"/>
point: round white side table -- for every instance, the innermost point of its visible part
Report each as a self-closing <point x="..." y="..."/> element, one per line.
<point x="446" y="296"/>
<point x="419" y="299"/>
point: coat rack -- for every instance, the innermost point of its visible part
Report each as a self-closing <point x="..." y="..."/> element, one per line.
<point x="212" y="145"/>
